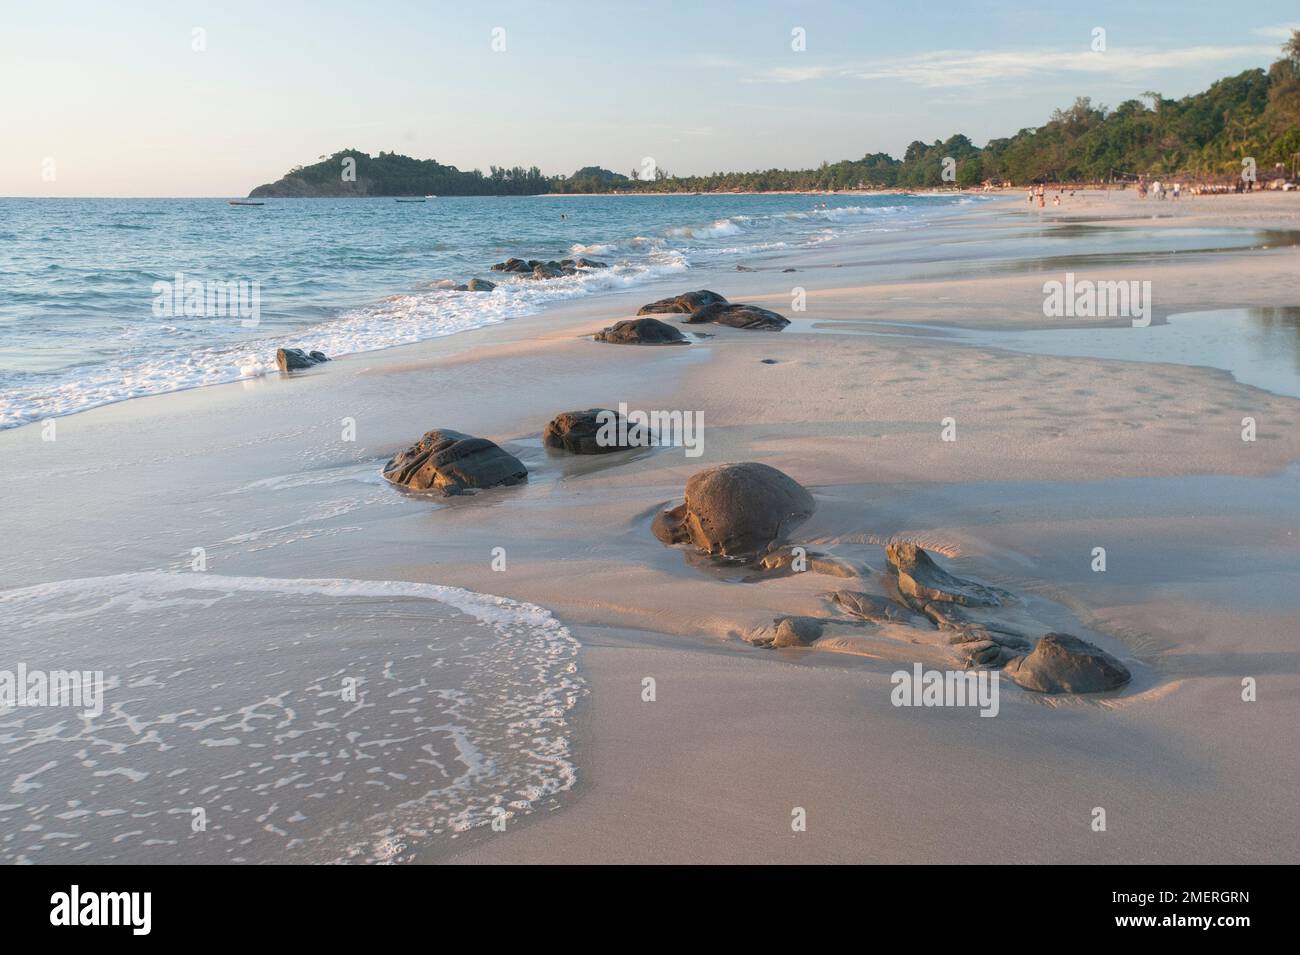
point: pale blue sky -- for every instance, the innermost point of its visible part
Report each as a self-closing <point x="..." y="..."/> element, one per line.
<point x="114" y="93"/>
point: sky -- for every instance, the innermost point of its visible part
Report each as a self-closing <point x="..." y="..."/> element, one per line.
<point x="179" y="98"/>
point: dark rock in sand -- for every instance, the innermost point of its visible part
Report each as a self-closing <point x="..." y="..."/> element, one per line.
<point x="743" y="268"/>
<point x="768" y="361"/>
<point x="789" y="270"/>
<point x="512" y="265"/>
<point x="688" y="303"/>
<point x="795" y="631"/>
<point x="578" y="431"/>
<point x="480" y="285"/>
<point x="921" y="580"/>
<point x="295" y="359"/>
<point x="641" y="331"/>
<point x="1062" y="663"/>
<point x="451" y="462"/>
<point x="735" y="510"/>
<point x="740" y="316"/>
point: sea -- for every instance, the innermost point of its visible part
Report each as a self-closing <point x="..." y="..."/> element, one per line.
<point x="107" y="299"/>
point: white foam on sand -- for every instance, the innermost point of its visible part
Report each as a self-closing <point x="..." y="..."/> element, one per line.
<point x="230" y="695"/>
<point x="401" y="319"/>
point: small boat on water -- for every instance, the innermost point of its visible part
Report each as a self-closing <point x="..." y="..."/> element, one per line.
<point x="431" y="197"/>
<point x="244" y="202"/>
<point x="410" y="199"/>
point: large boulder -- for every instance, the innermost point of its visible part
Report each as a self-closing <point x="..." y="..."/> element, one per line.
<point x="451" y="462"/>
<point x="590" y="264"/>
<point x="295" y="359"/>
<point x="921" y="581"/>
<point x="688" y="303"/>
<point x="735" y="510"/>
<point x="641" y="331"/>
<point x="480" y="285"/>
<point x="739" y="316"/>
<point x="584" y="432"/>
<point x="1062" y="663"/>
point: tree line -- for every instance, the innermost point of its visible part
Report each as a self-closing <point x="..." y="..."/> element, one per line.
<point x="1254" y="115"/>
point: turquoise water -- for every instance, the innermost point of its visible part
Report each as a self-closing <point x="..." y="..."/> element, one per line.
<point x="82" y="322"/>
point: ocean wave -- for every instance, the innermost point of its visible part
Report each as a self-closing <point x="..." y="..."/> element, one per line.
<point x="401" y="319"/>
<point x="713" y="230"/>
<point x="143" y="357"/>
<point x="231" y="694"/>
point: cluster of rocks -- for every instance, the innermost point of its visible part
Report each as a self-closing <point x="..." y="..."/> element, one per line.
<point x="534" y="268"/>
<point x="704" y="307"/>
<point x="744" y="513"/>
<point x="295" y="359"/>
<point x="547" y="270"/>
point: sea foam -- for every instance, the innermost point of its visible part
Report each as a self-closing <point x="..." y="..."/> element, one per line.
<point x="299" y="719"/>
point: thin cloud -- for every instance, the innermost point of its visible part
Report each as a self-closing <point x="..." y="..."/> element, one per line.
<point x="943" y="68"/>
<point x="1281" y="32"/>
<point x="797" y="74"/>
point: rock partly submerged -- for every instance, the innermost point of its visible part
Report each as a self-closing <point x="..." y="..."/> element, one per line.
<point x="1062" y="663"/>
<point x="641" y="331"/>
<point x="688" y="303"/>
<point x="593" y="431"/>
<point x="513" y="265"/>
<point x="736" y="511"/>
<point x="451" y="463"/>
<point x="295" y="359"/>
<point x="705" y="306"/>
<point x="551" y="269"/>
<point x="740" y="316"/>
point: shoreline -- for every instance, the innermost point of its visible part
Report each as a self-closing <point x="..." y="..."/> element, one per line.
<point x="740" y="735"/>
<point x="406" y="309"/>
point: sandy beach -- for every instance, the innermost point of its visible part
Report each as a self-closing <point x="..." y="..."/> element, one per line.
<point x="1055" y="454"/>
